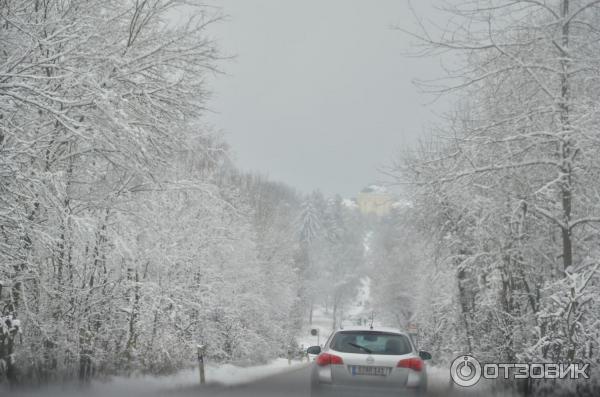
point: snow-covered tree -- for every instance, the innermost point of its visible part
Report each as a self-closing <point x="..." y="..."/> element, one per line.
<point x="126" y="235"/>
<point x="510" y="185"/>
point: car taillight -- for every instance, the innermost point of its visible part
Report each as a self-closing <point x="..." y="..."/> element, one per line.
<point x="328" y="359"/>
<point x="415" y="364"/>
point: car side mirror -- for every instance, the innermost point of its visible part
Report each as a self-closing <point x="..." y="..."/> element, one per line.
<point x="424" y="355"/>
<point x="314" y="350"/>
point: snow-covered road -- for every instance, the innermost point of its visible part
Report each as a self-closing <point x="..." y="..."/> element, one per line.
<point x="275" y="379"/>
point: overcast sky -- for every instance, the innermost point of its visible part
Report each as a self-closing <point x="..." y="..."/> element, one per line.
<point x="320" y="93"/>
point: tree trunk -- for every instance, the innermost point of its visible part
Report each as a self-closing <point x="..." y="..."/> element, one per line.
<point x="133" y="318"/>
<point x="464" y="306"/>
<point x="566" y="154"/>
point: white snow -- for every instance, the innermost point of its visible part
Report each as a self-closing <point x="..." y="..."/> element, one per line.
<point x="227" y="374"/>
<point x="349" y="203"/>
<point x="402" y="204"/>
<point x="232" y="375"/>
<point x="362" y="308"/>
<point x="323" y="321"/>
<point x="376" y="189"/>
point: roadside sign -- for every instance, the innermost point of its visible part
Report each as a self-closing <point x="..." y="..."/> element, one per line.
<point x="315" y="332"/>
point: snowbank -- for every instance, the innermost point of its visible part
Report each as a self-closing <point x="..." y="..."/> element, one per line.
<point x="228" y="375"/>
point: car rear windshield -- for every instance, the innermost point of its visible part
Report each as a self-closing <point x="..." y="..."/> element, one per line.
<point x="370" y="342"/>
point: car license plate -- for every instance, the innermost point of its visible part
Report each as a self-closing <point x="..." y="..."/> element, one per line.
<point x="369" y="370"/>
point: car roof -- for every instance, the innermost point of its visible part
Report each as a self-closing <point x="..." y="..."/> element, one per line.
<point x="375" y="329"/>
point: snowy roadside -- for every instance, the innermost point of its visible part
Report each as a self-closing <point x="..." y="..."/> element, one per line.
<point x="221" y="375"/>
<point x="322" y="322"/>
<point x="440" y="384"/>
<point x="323" y="319"/>
<point x="438" y="379"/>
<point x="226" y="375"/>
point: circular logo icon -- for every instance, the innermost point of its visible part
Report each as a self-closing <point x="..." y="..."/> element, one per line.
<point x="370" y="360"/>
<point x="465" y="371"/>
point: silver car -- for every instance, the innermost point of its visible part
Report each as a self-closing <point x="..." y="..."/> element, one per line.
<point x="366" y="361"/>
